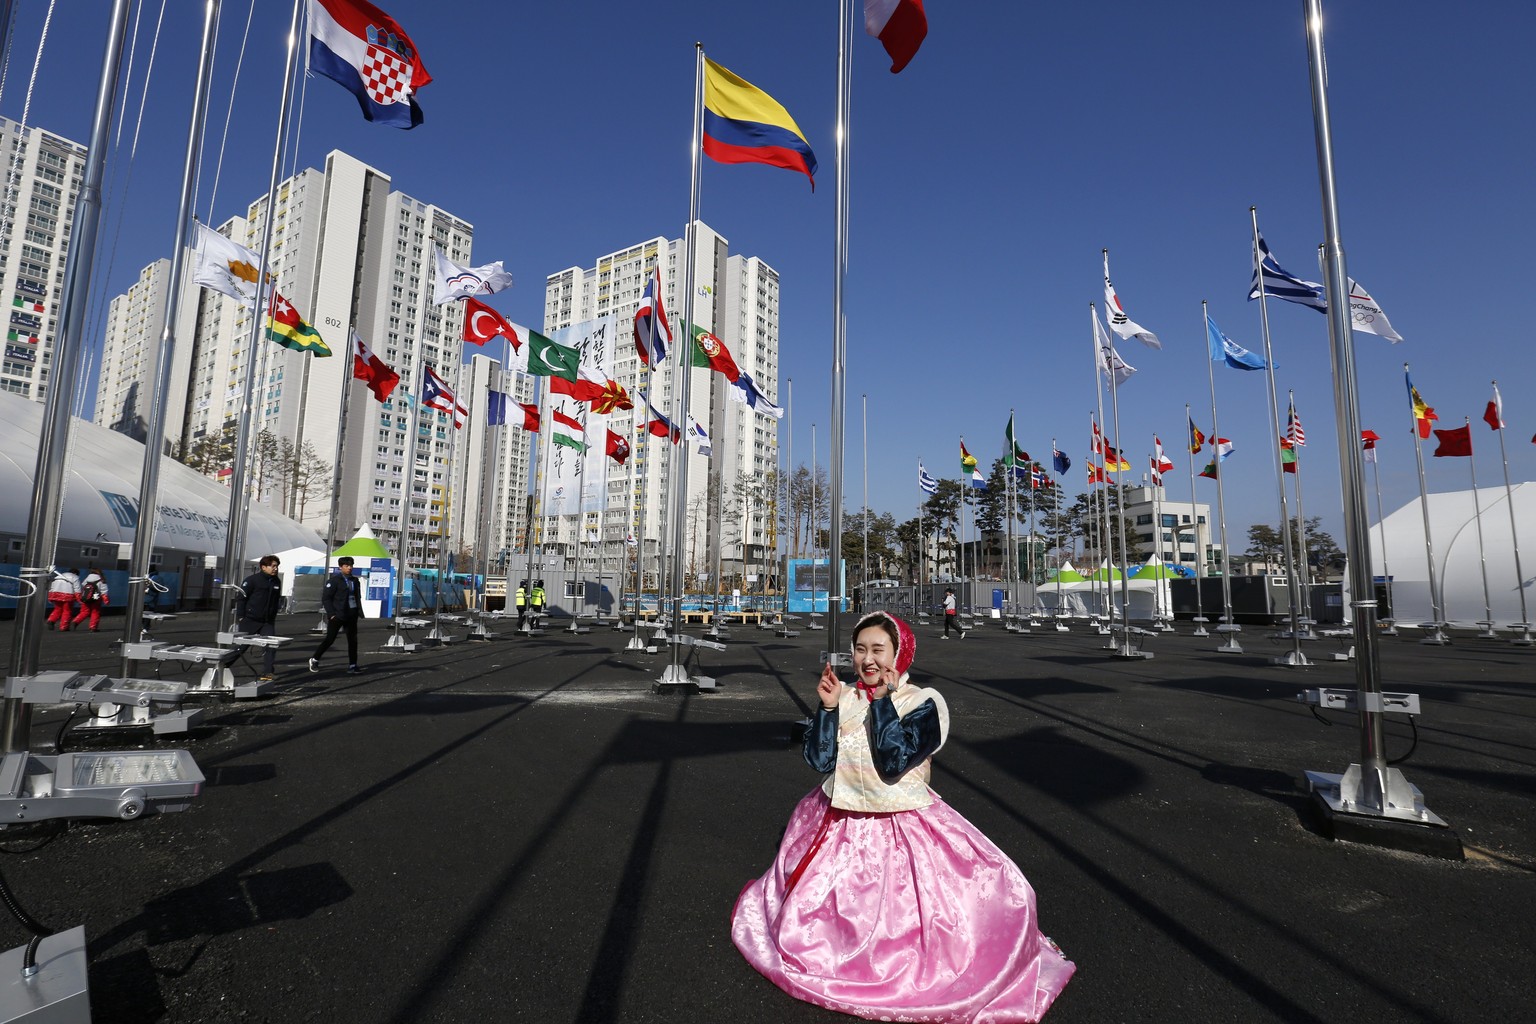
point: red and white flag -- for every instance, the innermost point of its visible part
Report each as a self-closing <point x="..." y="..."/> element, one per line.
<point x="1494" y="414"/>
<point x="1121" y="324"/>
<point x="1368" y="439"/>
<point x="482" y="323"/>
<point x="617" y="448"/>
<point x="1293" y="431"/>
<point x="1160" y="463"/>
<point x="900" y="25"/>
<point x="530" y="416"/>
<point x="372" y="370"/>
<point x="653" y="331"/>
<point x="1157" y="474"/>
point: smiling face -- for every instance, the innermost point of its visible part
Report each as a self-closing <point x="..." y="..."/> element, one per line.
<point x="874" y="649"/>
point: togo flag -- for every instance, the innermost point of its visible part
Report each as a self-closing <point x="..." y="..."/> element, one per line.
<point x="288" y="329"/>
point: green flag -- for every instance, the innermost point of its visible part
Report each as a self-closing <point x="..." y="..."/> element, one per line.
<point x="549" y="359"/>
<point x="1017" y="456"/>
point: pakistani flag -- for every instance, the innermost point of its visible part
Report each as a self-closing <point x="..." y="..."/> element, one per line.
<point x="1017" y="456"/>
<point x="549" y="359"/>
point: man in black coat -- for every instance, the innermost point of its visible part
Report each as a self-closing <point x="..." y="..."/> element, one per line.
<point x="342" y="599"/>
<point x="261" y="601"/>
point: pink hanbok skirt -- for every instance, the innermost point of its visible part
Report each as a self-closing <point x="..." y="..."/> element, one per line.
<point x="909" y="916"/>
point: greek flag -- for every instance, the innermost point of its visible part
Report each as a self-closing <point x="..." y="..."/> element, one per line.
<point x="1282" y="285"/>
<point x="926" y="483"/>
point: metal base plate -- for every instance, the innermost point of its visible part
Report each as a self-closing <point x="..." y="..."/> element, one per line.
<point x="1429" y="836"/>
<point x="59" y="993"/>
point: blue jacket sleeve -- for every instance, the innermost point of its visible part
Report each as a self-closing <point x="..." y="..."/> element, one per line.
<point x="898" y="743"/>
<point x="821" y="741"/>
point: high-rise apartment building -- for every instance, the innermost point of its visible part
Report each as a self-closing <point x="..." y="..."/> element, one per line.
<point x="351" y="254"/>
<point x="40" y="177"/>
<point x="730" y="502"/>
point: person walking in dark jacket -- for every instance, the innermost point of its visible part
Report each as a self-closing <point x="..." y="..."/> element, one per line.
<point x="262" y="600"/>
<point x="342" y="599"/>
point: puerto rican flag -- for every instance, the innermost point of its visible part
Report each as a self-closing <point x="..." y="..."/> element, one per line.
<point x="435" y="395"/>
<point x="900" y="25"/>
<point x="358" y="46"/>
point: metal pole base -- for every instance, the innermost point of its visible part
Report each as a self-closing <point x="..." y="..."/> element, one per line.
<point x="58" y="992"/>
<point x="1127" y="652"/>
<point x="398" y="642"/>
<point x="1230" y="647"/>
<point x="1291" y="659"/>
<point x="1487" y="632"/>
<point x="637" y="644"/>
<point x="1524" y="639"/>
<point x="675" y="679"/>
<point x="1381" y="808"/>
<point x="1436" y="637"/>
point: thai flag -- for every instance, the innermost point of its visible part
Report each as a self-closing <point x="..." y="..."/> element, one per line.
<point x="658" y="425"/>
<point x="652" y="331"/>
<point x="364" y="50"/>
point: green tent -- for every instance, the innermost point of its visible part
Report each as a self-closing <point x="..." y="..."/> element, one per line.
<point x="1106" y="573"/>
<point x="1066" y="574"/>
<point x="1155" y="569"/>
<point x="364" y="545"/>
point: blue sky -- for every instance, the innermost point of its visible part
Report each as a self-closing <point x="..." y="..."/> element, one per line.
<point x="985" y="180"/>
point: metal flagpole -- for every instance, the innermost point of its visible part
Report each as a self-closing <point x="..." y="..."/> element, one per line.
<point x="1057" y="489"/>
<point x="1101" y="540"/>
<point x="1304" y="562"/>
<point x="1386" y="572"/>
<point x="638" y="503"/>
<point x="1482" y="558"/>
<point x="53" y="443"/>
<point x="1524" y="625"/>
<point x="675" y="674"/>
<point x="490" y="451"/>
<point x="1194" y="515"/>
<point x="1228" y="627"/>
<point x="719" y="518"/>
<point x="815" y="538"/>
<point x="1370" y="787"/>
<point x="835" y="653"/>
<point x="1436" y="635"/>
<point x="864" y="571"/>
<point x="1095" y="521"/>
<point x="789" y="458"/>
<point x="1294" y="657"/>
<point x="341" y="448"/>
<point x="239" y="506"/>
<point x="160" y="375"/>
<point x="1125" y="649"/>
<point x="534" y="506"/>
<point x="409" y="504"/>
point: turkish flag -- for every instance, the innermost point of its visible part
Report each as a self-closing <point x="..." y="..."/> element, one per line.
<point x="1454" y="443"/>
<point x="482" y="323"/>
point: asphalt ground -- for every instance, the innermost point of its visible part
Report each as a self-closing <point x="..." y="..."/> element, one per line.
<point x="522" y="830"/>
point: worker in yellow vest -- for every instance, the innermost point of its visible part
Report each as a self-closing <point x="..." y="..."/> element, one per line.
<point x="536" y="602"/>
<point x="521" y="598"/>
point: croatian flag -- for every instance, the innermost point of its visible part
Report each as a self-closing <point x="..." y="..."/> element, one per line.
<point x="652" y="331"/>
<point x="900" y="25"/>
<point x="364" y="50"/>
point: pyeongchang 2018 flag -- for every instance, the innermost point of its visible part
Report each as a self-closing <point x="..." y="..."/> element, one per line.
<point x="364" y="50"/>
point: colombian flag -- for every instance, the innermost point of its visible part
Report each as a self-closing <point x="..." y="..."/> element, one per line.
<point x="744" y="125"/>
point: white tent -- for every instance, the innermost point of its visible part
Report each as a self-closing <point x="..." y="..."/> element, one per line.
<point x="1065" y="593"/>
<point x="101" y="490"/>
<point x="292" y="559"/>
<point x="1458" y="569"/>
<point x="1150" y="594"/>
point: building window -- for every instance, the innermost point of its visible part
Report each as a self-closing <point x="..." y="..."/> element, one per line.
<point x="1144" y="520"/>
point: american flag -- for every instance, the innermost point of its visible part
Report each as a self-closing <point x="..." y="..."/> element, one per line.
<point x="1293" y="431"/>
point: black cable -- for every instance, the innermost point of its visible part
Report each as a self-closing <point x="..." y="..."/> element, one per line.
<point x="58" y="741"/>
<point x="39" y="931"/>
<point x="1411" y="747"/>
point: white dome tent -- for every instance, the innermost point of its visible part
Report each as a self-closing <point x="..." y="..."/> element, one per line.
<point x="1457" y="567"/>
<point x="101" y="487"/>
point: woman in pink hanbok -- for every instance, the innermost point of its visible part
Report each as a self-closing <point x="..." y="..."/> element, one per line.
<point x="883" y="902"/>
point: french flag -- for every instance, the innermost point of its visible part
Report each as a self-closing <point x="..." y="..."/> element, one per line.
<point x="652" y="331"/>
<point x="358" y="46"/>
<point x="900" y="25"/>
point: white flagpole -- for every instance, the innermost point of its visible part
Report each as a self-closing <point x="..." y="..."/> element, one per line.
<point x="534" y="504"/>
<point x="1295" y="658"/>
<point x="1524" y="625"/>
<point x="639" y="507"/>
<point x="1436" y="635"/>
<point x="675" y="674"/>
<point x="836" y="655"/>
<point x="1194" y="515"/>
<point x="1106" y="606"/>
<point x="789" y="457"/>
<point x="160" y="376"/>
<point x="1125" y="649"/>
<point x="239" y="507"/>
<point x="341" y="448"/>
<point x="1304" y="562"/>
<point x="1228" y="628"/>
<point x="490" y="450"/>
<point x="1482" y="558"/>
